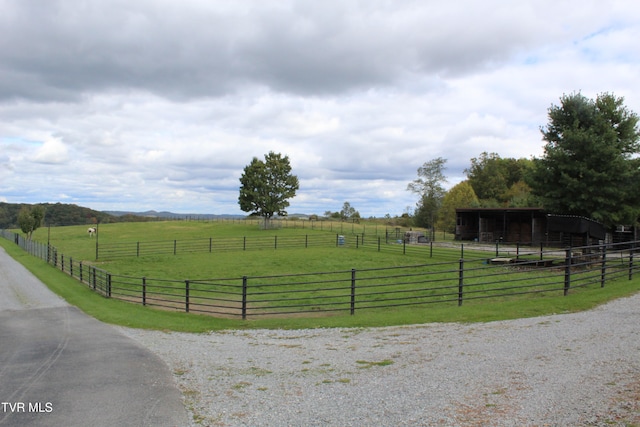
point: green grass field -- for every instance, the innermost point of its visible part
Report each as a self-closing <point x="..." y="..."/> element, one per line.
<point x="73" y="241"/>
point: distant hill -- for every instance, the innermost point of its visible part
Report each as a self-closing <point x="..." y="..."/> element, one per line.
<point x="172" y="215"/>
<point x="56" y="214"/>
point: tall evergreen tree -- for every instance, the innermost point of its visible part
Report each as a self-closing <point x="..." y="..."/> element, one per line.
<point x="590" y="166"/>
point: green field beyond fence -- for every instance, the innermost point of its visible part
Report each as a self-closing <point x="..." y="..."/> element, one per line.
<point x="283" y="274"/>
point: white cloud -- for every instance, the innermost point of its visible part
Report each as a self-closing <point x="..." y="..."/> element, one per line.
<point x="52" y="151"/>
<point x="155" y="105"/>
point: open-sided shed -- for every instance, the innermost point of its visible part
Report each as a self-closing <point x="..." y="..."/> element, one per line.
<point x="526" y="226"/>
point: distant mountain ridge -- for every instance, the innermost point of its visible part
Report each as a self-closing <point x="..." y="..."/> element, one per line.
<point x="166" y="214"/>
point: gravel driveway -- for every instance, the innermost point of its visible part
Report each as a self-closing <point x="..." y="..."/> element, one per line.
<point x="578" y="369"/>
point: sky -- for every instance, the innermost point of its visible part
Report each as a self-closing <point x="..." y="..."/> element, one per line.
<point x="158" y="104"/>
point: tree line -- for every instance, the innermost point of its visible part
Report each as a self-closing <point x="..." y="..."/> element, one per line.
<point x="29" y="217"/>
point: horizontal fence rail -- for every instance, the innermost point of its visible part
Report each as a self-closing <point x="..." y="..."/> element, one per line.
<point x="492" y="274"/>
<point x="391" y="241"/>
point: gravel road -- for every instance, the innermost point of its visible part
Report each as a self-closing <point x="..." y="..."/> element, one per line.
<point x="580" y="369"/>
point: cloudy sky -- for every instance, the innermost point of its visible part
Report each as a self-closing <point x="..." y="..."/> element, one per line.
<point x="159" y="104"/>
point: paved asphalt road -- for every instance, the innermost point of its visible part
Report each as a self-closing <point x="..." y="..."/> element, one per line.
<point x="60" y="367"/>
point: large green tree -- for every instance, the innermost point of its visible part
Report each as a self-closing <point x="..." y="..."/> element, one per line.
<point x="266" y="186"/>
<point x="496" y="180"/>
<point x="349" y="212"/>
<point x="429" y="185"/>
<point x="460" y="195"/>
<point x="590" y="166"/>
<point x="30" y="219"/>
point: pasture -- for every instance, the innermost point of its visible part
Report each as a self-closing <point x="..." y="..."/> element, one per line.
<point x="305" y="271"/>
<point x="491" y="292"/>
<point x="257" y="260"/>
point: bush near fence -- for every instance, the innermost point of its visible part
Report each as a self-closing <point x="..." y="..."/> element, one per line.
<point x="359" y="289"/>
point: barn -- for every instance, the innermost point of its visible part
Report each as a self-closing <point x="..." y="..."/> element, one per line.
<point x="525" y="225"/>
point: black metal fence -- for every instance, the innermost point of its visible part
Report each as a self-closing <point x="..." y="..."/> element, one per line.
<point x="391" y="242"/>
<point x="453" y="282"/>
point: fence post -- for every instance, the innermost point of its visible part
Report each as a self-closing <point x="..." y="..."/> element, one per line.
<point x="80" y="271"/>
<point x="244" y="243"/>
<point x="210" y="244"/>
<point x="92" y="272"/>
<point x="175" y="245"/>
<point x="404" y="246"/>
<point x="275" y="242"/>
<point x="567" y="271"/>
<point x="518" y="250"/>
<point x="460" y="282"/>
<point x="378" y="243"/>
<point x="244" y="297"/>
<point x="186" y="296"/>
<point x="603" y="273"/>
<point x="71" y="266"/>
<point x="306" y="240"/>
<point x="109" y="285"/>
<point x="357" y="241"/>
<point x="353" y="291"/>
<point x="631" y="261"/>
<point x="431" y="249"/>
<point x="62" y="262"/>
<point x="138" y="249"/>
<point x="144" y="290"/>
<point x="497" y="249"/>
